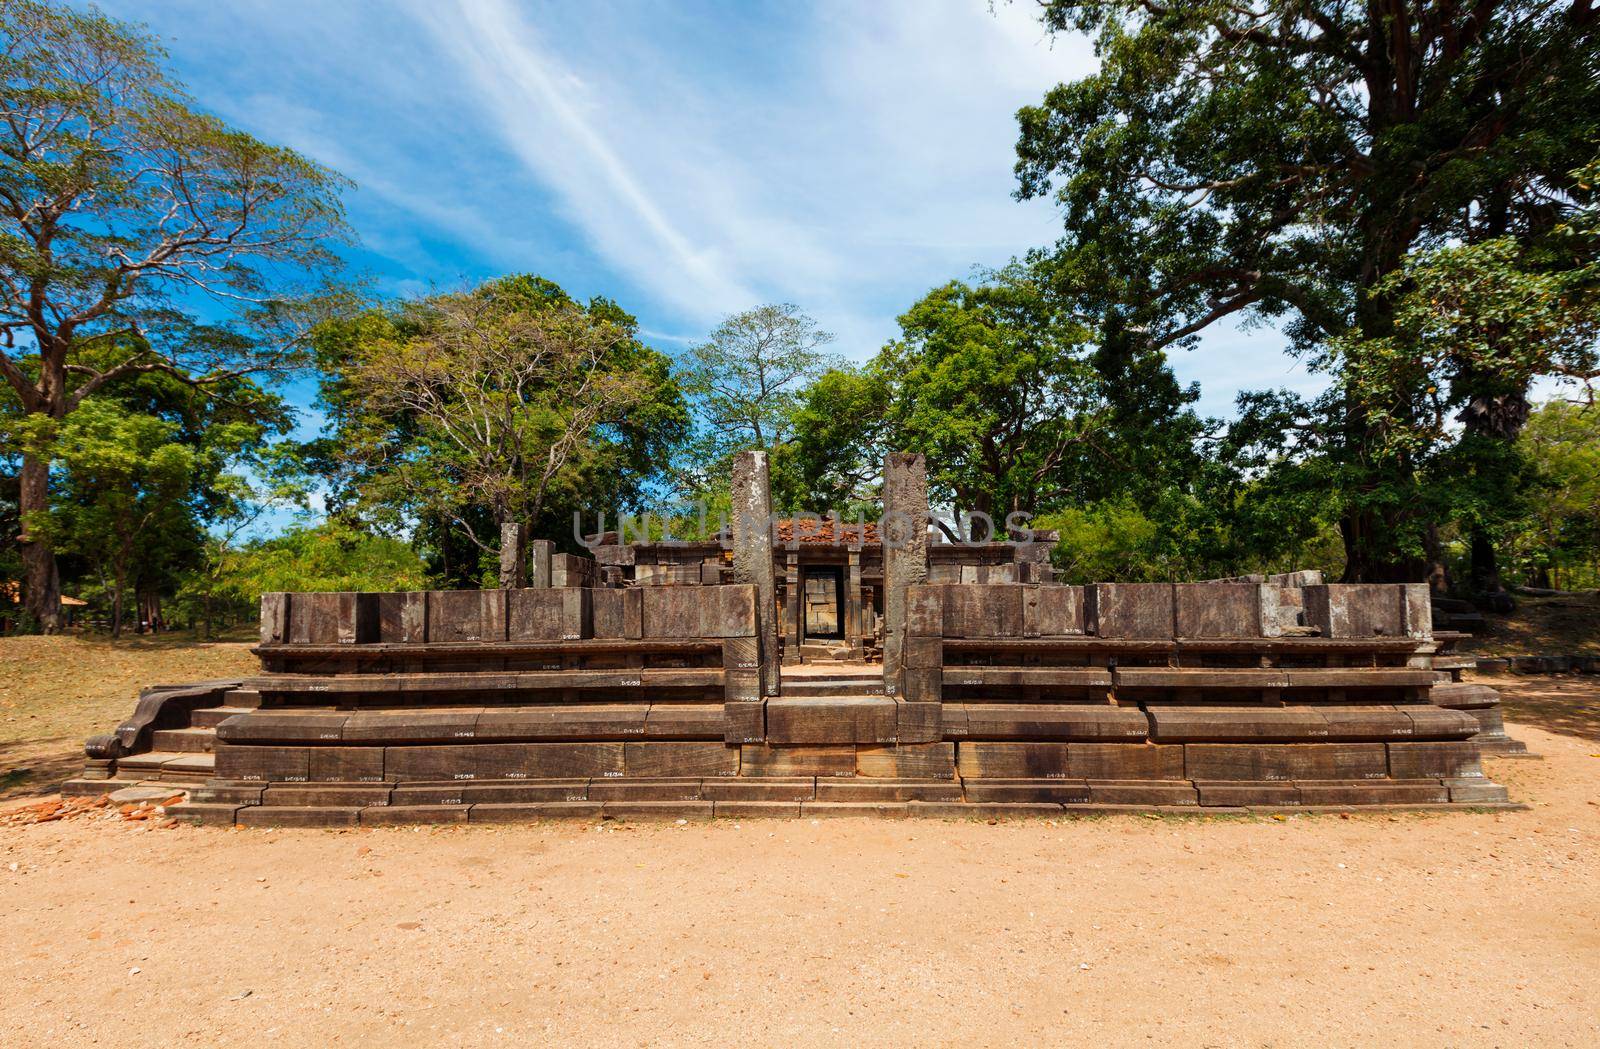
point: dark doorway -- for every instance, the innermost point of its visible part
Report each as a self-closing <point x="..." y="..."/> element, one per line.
<point x="822" y="603"/>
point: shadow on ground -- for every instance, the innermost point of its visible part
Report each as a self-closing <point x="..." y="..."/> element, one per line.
<point x="39" y="769"/>
<point x="1568" y="705"/>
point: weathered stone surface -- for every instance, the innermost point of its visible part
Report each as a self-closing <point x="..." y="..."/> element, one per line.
<point x="751" y="530"/>
<point x="1344" y="610"/>
<point x="830" y="719"/>
<point x="1218" y="610"/>
<point x="905" y="550"/>
<point x="274" y="618"/>
<point x="565" y="614"/>
<point x="1134" y="611"/>
<point x="907" y="761"/>
<point x="513" y="556"/>
<point x="1240" y="762"/>
<point x="1053" y="610"/>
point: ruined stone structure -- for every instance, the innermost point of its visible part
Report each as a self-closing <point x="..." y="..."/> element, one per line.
<point x="684" y="682"/>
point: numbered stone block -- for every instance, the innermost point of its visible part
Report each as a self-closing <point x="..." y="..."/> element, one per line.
<point x="672" y="611"/>
<point x="346" y="765"/>
<point x="283" y="726"/>
<point x="887" y="790"/>
<point x="412" y="725"/>
<point x="249" y="764"/>
<point x="618" y="614"/>
<point x="1057" y="791"/>
<point x="830" y="719"/>
<point x="761" y="760"/>
<point x="1376" y="792"/>
<point x="760" y="789"/>
<point x="983" y="610"/>
<point x="728" y="611"/>
<point x="917" y="761"/>
<point x="1133" y="611"/>
<point x="1218" y="610"/>
<point x="1053" y="611"/>
<point x="680" y="759"/>
<point x="1369" y="610"/>
<point x="466" y="615"/>
<point x="550" y="615"/>
<point x="703" y="721"/>
<point x="322" y="619"/>
<point x="744" y="722"/>
<point x="446" y="763"/>
<point x="563" y="721"/>
<point x="1248" y="794"/>
<point x="1053" y="721"/>
<point x="540" y="761"/>
<point x="1285" y="761"/>
<point x="399" y="618"/>
<point x="322" y="794"/>
<point x="1152" y="793"/>
<point x="919" y="722"/>
<point x="1453" y="760"/>
<point x="290" y="816"/>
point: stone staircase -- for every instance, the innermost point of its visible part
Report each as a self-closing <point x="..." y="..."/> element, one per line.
<point x="180" y="755"/>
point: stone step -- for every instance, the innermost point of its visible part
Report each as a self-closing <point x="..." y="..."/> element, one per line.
<point x="242" y="697"/>
<point x="211" y="717"/>
<point x="185" y="740"/>
<point x="168" y="765"/>
<point x="840" y="685"/>
<point x="831" y="719"/>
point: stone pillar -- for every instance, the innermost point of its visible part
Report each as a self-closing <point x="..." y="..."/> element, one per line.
<point x="791" y="608"/>
<point x="542" y="551"/>
<point x="751" y="527"/>
<point x="852" y="603"/>
<point x="513" y="563"/>
<point x="905" y="551"/>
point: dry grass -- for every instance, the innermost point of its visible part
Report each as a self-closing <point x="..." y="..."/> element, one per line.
<point x="57" y="691"/>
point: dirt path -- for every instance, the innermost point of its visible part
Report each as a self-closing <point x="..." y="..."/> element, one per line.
<point x="1460" y="929"/>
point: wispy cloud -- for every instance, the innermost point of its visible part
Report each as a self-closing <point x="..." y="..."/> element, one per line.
<point x="685" y="159"/>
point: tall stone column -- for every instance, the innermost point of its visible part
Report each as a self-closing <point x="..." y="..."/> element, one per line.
<point x="540" y="551"/>
<point x="792" y="598"/>
<point x="852" y="598"/>
<point x="905" y="550"/>
<point x="513" y="558"/>
<point x="751" y="527"/>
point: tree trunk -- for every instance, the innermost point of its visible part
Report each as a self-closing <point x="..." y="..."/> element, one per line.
<point x="116" y="604"/>
<point x="41" y="579"/>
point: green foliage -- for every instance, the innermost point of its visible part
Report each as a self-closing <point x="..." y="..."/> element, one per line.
<point x="746" y="383"/>
<point x="125" y="209"/>
<point x="327" y="557"/>
<point x="839" y="435"/>
<point x="125" y="489"/>
<point x="1283" y="160"/>
<point x="456" y="413"/>
<point x="1558" y="543"/>
<point x="992" y="384"/>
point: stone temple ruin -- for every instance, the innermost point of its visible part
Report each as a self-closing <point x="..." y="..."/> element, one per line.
<point x="833" y="673"/>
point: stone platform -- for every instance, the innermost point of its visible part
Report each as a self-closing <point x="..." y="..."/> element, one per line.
<point x="1008" y="699"/>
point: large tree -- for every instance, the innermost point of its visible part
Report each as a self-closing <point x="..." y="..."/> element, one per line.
<point x="125" y="214"/>
<point x="460" y="412"/>
<point x="995" y="386"/>
<point x="1282" y="160"/>
<point x="746" y="382"/>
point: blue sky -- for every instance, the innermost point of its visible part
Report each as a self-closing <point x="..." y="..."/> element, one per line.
<point x="685" y="159"/>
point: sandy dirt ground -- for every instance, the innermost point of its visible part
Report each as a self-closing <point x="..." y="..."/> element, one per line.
<point x="1462" y="929"/>
<point x="55" y="692"/>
